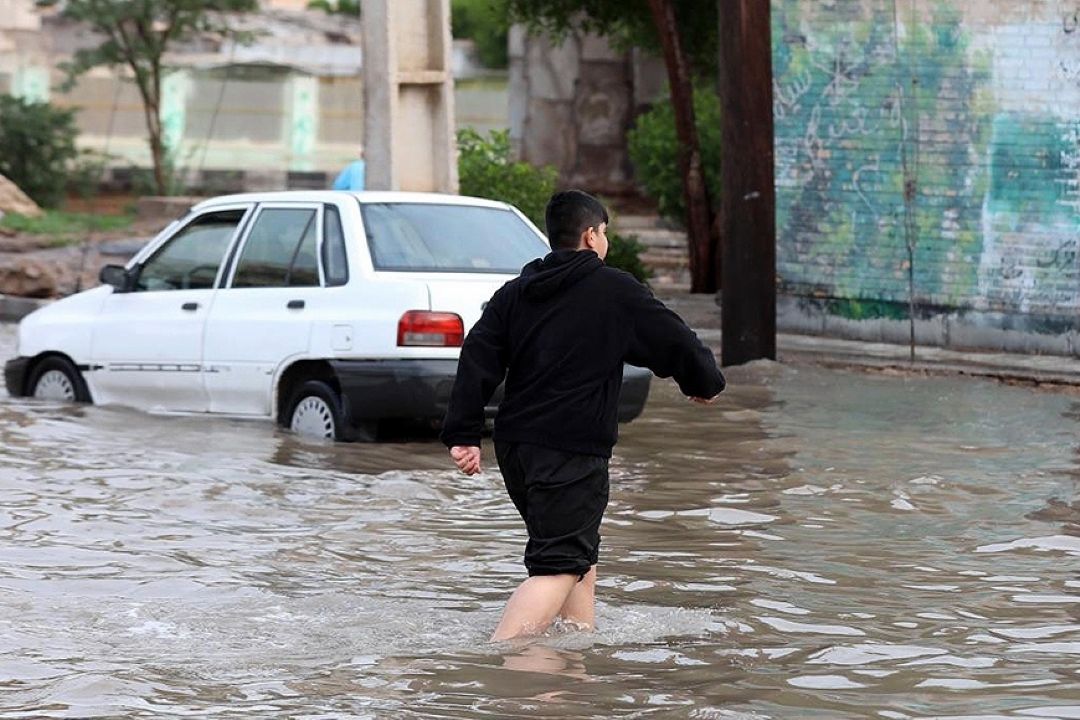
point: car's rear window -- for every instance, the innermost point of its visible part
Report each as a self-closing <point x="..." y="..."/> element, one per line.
<point x="423" y="237"/>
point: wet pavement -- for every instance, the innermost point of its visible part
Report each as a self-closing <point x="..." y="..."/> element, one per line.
<point x="821" y="544"/>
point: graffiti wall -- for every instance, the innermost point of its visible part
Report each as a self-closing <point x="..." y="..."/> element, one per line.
<point x="930" y="149"/>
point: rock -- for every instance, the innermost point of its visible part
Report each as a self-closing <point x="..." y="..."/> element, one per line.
<point x="27" y="278"/>
<point x="14" y="200"/>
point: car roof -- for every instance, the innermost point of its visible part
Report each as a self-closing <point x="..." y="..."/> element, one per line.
<point x="365" y="196"/>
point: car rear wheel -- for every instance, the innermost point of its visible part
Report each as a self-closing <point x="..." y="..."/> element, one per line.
<point x="316" y="411"/>
<point x="56" y="378"/>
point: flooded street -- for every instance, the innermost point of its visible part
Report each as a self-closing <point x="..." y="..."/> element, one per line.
<point x="819" y="544"/>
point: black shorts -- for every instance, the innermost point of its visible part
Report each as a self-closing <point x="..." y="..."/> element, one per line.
<point x="562" y="497"/>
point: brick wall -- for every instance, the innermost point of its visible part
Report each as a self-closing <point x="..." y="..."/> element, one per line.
<point x="944" y="135"/>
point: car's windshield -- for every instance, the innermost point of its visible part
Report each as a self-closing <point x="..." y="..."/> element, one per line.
<point x="448" y="238"/>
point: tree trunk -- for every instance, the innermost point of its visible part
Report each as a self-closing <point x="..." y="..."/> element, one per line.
<point x="150" y="90"/>
<point x="699" y="212"/>
<point x="748" y="195"/>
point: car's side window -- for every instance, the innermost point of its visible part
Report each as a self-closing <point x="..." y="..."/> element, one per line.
<point x="335" y="261"/>
<point x="280" y="251"/>
<point x="191" y="258"/>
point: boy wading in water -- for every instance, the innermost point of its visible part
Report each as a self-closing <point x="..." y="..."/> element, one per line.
<point x="559" y="334"/>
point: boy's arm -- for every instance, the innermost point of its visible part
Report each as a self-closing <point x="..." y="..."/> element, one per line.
<point x="662" y="342"/>
<point x="481" y="368"/>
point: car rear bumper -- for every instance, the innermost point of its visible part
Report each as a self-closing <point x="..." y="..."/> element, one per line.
<point x="420" y="389"/>
<point x="15" y="375"/>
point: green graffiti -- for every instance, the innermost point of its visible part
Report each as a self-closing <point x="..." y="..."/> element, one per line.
<point x="867" y="309"/>
<point x="856" y="96"/>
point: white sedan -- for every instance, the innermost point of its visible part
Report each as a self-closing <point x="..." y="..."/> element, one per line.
<point x="327" y="311"/>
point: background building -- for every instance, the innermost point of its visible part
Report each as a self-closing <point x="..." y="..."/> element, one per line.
<point x="285" y="110"/>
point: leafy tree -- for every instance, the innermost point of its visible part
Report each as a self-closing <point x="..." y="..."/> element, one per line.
<point x="136" y="34"/>
<point x="653" y="146"/>
<point x="685" y="33"/>
<point x="485" y="23"/>
<point x="37" y="143"/>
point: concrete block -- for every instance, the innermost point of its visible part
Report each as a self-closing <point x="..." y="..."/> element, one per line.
<point x="552" y="70"/>
<point x="602" y="105"/>
<point x="650" y="79"/>
<point x="597" y="48"/>
<point x="518" y="100"/>
<point x="545" y="140"/>
<point x="601" y="168"/>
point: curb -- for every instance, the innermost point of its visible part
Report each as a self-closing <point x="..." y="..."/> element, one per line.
<point x="13" y="309"/>
<point x="1044" y="370"/>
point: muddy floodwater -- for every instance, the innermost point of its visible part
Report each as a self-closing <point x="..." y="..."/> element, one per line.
<point x="820" y="544"/>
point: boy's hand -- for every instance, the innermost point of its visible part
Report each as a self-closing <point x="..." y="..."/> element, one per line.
<point x="467" y="458"/>
<point x="704" y="401"/>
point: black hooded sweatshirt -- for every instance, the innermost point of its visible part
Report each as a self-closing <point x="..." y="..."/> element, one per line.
<point x="559" y="334"/>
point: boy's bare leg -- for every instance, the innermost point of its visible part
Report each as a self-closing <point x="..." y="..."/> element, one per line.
<point x="534" y="605"/>
<point x="580" y="607"/>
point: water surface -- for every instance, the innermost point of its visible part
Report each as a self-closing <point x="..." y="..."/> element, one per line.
<point x="819" y="544"/>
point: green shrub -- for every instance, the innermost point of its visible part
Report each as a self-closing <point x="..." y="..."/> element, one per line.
<point x="37" y="141"/>
<point x="624" y="252"/>
<point x="654" y="151"/>
<point x="485" y="23"/>
<point x="487" y="169"/>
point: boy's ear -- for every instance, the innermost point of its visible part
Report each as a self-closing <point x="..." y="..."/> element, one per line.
<point x="586" y="239"/>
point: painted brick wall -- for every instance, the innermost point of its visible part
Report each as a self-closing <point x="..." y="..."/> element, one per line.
<point x="971" y="110"/>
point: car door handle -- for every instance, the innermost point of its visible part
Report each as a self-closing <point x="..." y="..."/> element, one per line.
<point x="190" y="306"/>
<point x="295" y="305"/>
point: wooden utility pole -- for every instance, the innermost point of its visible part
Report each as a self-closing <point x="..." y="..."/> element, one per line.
<point x="748" y="194"/>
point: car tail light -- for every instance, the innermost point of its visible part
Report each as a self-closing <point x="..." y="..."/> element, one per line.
<point x="430" y="329"/>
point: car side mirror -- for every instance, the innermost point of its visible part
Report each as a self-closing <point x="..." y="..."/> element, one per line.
<point x="117" y="276"/>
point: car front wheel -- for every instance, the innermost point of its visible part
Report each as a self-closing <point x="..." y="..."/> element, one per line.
<point x="56" y="378"/>
<point x="316" y="411"/>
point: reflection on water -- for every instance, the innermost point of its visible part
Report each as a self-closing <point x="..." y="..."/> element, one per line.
<point x="819" y="544"/>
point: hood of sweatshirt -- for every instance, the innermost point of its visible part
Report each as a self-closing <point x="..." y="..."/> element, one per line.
<point x="558" y="270"/>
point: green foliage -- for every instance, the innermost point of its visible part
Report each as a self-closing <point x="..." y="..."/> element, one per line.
<point x="628" y="23"/>
<point x="37" y="142"/>
<point x="487" y="169"/>
<point x="336" y="7"/>
<point x="624" y="253"/>
<point x="485" y="22"/>
<point x="64" y="227"/>
<point x="654" y="149"/>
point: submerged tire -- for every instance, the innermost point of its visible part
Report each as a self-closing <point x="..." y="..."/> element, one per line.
<point x="56" y="378"/>
<point x="317" y="411"/>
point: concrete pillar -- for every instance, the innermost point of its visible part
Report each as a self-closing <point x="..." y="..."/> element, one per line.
<point x="409" y="139"/>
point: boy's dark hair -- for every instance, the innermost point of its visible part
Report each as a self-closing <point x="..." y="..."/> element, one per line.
<point x="569" y="214"/>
